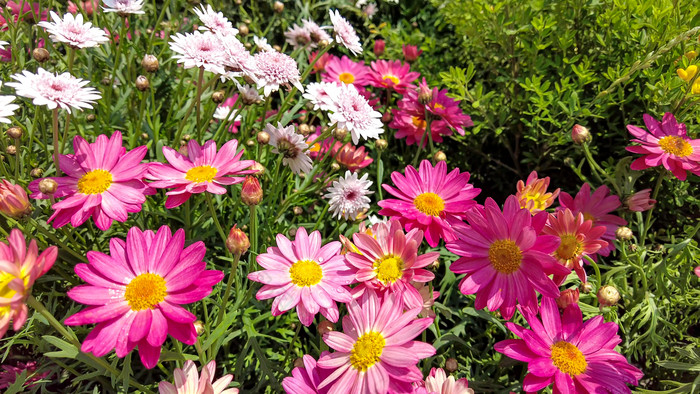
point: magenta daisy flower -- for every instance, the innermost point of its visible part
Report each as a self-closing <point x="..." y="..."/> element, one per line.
<point x="387" y="261"/>
<point x="304" y="274"/>
<point x="376" y="352"/>
<point x="72" y="31"/>
<point x="409" y="121"/>
<point x="575" y="356"/>
<point x="596" y="207"/>
<point x="446" y="109"/>
<point x="306" y="380"/>
<point x="392" y="75"/>
<point x="666" y="143"/>
<point x="202" y="170"/>
<point x="54" y="90"/>
<point x="505" y="258"/>
<point x="344" y="70"/>
<point x="134" y="293"/>
<point x="429" y="199"/>
<point x="344" y="33"/>
<point x="200" y="49"/>
<point x="274" y="69"/>
<point x="102" y="180"/>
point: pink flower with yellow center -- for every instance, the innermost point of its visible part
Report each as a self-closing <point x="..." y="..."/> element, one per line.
<point x="20" y="266"/>
<point x="102" y="181"/>
<point x="430" y="199"/>
<point x="392" y="75"/>
<point x="376" y="352"/>
<point x="202" y="170"/>
<point x="665" y="143"/>
<point x="388" y="261"/>
<point x="532" y="194"/>
<point x="596" y="207"/>
<point x="134" y="293"/>
<point x="577" y="238"/>
<point x="575" y="356"/>
<point x="505" y="257"/>
<point x="305" y="275"/>
<point x="344" y="70"/>
<point x="305" y="380"/>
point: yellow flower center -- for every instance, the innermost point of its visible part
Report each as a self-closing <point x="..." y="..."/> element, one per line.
<point x="367" y="350"/>
<point x="203" y="173"/>
<point x="346" y="78"/>
<point x="6" y="291"/>
<point x="568" y="358"/>
<point x="389" y="268"/>
<point x="539" y="201"/>
<point x="392" y="79"/>
<point x="305" y="273"/>
<point x="429" y="203"/>
<point x="145" y="291"/>
<point x="675" y="145"/>
<point x="418" y="122"/>
<point x="95" y="182"/>
<point x="588" y="216"/>
<point x="569" y="247"/>
<point x="505" y="256"/>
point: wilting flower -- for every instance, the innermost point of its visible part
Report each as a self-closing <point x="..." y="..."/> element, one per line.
<point x="665" y="143"/>
<point x="505" y="257"/>
<point x="348" y="195"/>
<point x="72" y="31"/>
<point x="102" y="180"/>
<point x="640" y="201"/>
<point x="439" y="383"/>
<point x="188" y="382"/>
<point x="134" y="293"/>
<point x="273" y="69"/>
<point x="351" y="111"/>
<point x="291" y="145"/>
<point x="410" y="52"/>
<point x="20" y="266"/>
<point x="344" y="70"/>
<point x="345" y="33"/>
<point x="304" y="274"/>
<point x="430" y="199"/>
<point x="388" y="262"/>
<point x="351" y="157"/>
<point x="124" y="7"/>
<point x="13" y="200"/>
<point x="202" y="170"/>
<point x="297" y="36"/>
<point x="54" y="90"/>
<point x="199" y="49"/>
<point x="576" y="357"/>
<point x="9" y="374"/>
<point x="532" y="194"/>
<point x="392" y="75"/>
<point x="306" y="380"/>
<point x="214" y="22"/>
<point x="596" y="207"/>
<point x="428" y="299"/>
<point x="376" y="352"/>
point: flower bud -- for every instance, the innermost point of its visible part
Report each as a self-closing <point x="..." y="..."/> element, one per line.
<point x="451" y="365"/>
<point x="633" y="247"/>
<point x="335" y="167"/>
<point x="586" y="287"/>
<point x="624" y="233"/>
<point x="243" y="30"/>
<point x="640" y="201"/>
<point x="278" y="7"/>
<point x="580" y="135"/>
<point x="379" y="46"/>
<point x="218" y="97"/>
<point x="40" y="55"/>
<point x="251" y="192"/>
<point x="263" y="138"/>
<point x="36" y="172"/>
<point x="277" y="48"/>
<point x="142" y="83"/>
<point x="381" y="144"/>
<point x="11" y="150"/>
<point x="608" y="296"/>
<point x="187" y="137"/>
<point x="325" y="327"/>
<point x="258" y="168"/>
<point x="410" y="53"/>
<point x="386" y="117"/>
<point x="567" y="297"/>
<point x="13" y="200"/>
<point x="425" y="94"/>
<point x="199" y="327"/>
<point x="297" y="211"/>
<point x="48" y="186"/>
<point x="237" y="241"/>
<point x="250" y="142"/>
<point x="91" y="117"/>
<point x="14" y="132"/>
<point x="299" y="362"/>
<point x="304" y="129"/>
<point x="150" y="63"/>
<point x="439" y="156"/>
<point x="340" y="133"/>
<point x="323" y="43"/>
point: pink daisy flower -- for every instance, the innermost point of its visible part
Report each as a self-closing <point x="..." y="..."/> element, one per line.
<point x="72" y="31"/>
<point x="387" y="261"/>
<point x="344" y="33"/>
<point x="102" y="180"/>
<point x="304" y="274"/>
<point x="392" y="75"/>
<point x="188" y="382"/>
<point x="437" y="382"/>
<point x="347" y="197"/>
<point x="273" y="69"/>
<point x="306" y="380"/>
<point x="134" y="293"/>
<point x="202" y="170"/>
<point x="430" y="199"/>
<point x="665" y="143"/>
<point x="505" y="258"/>
<point x="321" y="95"/>
<point x="199" y="49"/>
<point x="575" y="356"/>
<point x="237" y="60"/>
<point x="532" y="194"/>
<point x="124" y="7"/>
<point x="214" y="22"/>
<point x="577" y="238"/>
<point x="352" y="111"/>
<point x="351" y="157"/>
<point x="344" y="70"/>
<point x="446" y="109"/>
<point x="54" y="90"/>
<point x="376" y="352"/>
<point x="297" y="37"/>
<point x="291" y="145"/>
<point x="20" y="267"/>
<point x="596" y="207"/>
<point x="316" y="33"/>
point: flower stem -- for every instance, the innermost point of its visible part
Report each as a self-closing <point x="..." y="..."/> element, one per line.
<point x="647" y="222"/>
<point x="214" y="216"/>
<point x="596" y="268"/>
<point x="291" y="345"/>
<point x="420" y="148"/>
<point x="253" y="230"/>
<point x="198" y="102"/>
<point x="56" y="148"/>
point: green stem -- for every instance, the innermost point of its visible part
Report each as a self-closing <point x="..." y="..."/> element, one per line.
<point x="222" y="233"/>
<point x="200" y="81"/>
<point x="598" y="170"/>
<point x="596" y="268"/>
<point x="420" y="148"/>
<point x="229" y="283"/>
<point x="291" y="345"/>
<point x="71" y="58"/>
<point x="56" y="148"/>
<point x="253" y="230"/>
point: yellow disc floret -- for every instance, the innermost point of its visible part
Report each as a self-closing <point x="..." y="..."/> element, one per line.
<point x="429" y="203"/>
<point x="95" y="182"/>
<point x="389" y="269"/>
<point x="675" y="145"/>
<point x="145" y="291"/>
<point x="568" y="358"/>
<point x="505" y="256"/>
<point x="203" y="173"/>
<point x="367" y="350"/>
<point x="305" y="273"/>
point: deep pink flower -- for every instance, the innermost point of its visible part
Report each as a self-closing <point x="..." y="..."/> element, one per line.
<point x="320" y="64"/>
<point x="666" y="143"/>
<point x="344" y="70"/>
<point x="88" y="6"/>
<point x="134" y="293"/>
<point x="306" y="380"/>
<point x="9" y="374"/>
<point x="102" y="180"/>
<point x="505" y="257"/>
<point x="640" y="201"/>
<point x="410" y="52"/>
<point x="25" y="11"/>
<point x="575" y="356"/>
<point x="532" y="194"/>
<point x="392" y="75"/>
<point x="430" y="199"/>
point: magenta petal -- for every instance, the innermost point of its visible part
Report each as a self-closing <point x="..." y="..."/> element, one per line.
<point x="149" y="354"/>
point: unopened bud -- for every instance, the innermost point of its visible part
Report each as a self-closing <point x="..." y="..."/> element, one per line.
<point x="323" y="43"/>
<point x="586" y="287"/>
<point x="90" y="117"/>
<point x="150" y="63"/>
<point x="624" y="233"/>
<point x="219" y="96"/>
<point x="451" y="365"/>
<point x="340" y="133"/>
<point x="567" y="297"/>
<point x="379" y="46"/>
<point x="251" y="192"/>
<point x="258" y="168"/>
<point x="250" y="142"/>
<point x="425" y="94"/>
<point x="243" y="30"/>
<point x="36" y="172"/>
<point x="40" y="55"/>
<point x="237" y="241"/>
<point x="11" y="150"/>
<point x="278" y="6"/>
<point x="439" y="156"/>
<point x="580" y="135"/>
<point x="381" y="144"/>
<point x="297" y="211"/>
<point x="608" y="296"/>
<point x="263" y="138"/>
<point x="142" y="83"/>
<point x="48" y="186"/>
<point x="304" y="129"/>
<point x="387" y="117"/>
<point x="633" y="247"/>
<point x="199" y="327"/>
<point x="277" y="48"/>
<point x="325" y="327"/>
<point x="292" y="232"/>
<point x="335" y="167"/>
<point x="144" y="136"/>
<point x="14" y="132"/>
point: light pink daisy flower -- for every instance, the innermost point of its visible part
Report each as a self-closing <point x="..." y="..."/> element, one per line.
<point x="533" y="194"/>
<point x="297" y="36"/>
<point x="102" y="180"/>
<point x="306" y="380"/>
<point x="20" y="267"/>
<point x="387" y="261"/>
<point x="285" y="141"/>
<point x="321" y="95"/>
<point x="666" y="143"/>
<point x="376" y="352"/>
<point x="348" y="195"/>
<point x="392" y="75"/>
<point x="7" y="109"/>
<point x="134" y="293"/>
<point x="214" y="22"/>
<point x="188" y="382"/>
<point x="437" y="382"/>
<point x="273" y="69"/>
<point x="578" y="238"/>
<point x="344" y="70"/>
<point x="124" y="7"/>
<point x="345" y="33"/>
<point x="575" y="356"/>
<point x="237" y="59"/>
<point x="202" y="170"/>
<point x="54" y="90"/>
<point x="316" y="33"/>
<point x="596" y="207"/>
<point x="72" y="31"/>
<point x="304" y="274"/>
<point x="200" y="49"/>
<point x="430" y="199"/>
<point x="505" y="258"/>
<point x="351" y="111"/>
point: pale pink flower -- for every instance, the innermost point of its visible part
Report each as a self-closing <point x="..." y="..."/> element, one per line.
<point x="321" y="95"/>
<point x="437" y="382"/>
<point x="297" y="36"/>
<point x="345" y="33"/>
<point x="124" y="7"/>
<point x="214" y="22"/>
<point x="351" y="111"/>
<point x="316" y="33"/>
<point x="54" y="90"/>
<point x="348" y="195"/>
<point x="640" y="201"/>
<point x="291" y="145"/>
<point x="428" y="298"/>
<point x="200" y="50"/>
<point x="237" y="59"/>
<point x="274" y="69"/>
<point x="188" y="382"/>
<point x="72" y="31"/>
